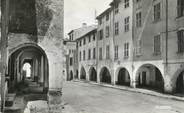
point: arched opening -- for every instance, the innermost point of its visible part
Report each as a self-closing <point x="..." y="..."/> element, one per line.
<point x="92" y="74"/>
<point x="33" y="79"/>
<point x="180" y="83"/>
<point x="150" y="77"/>
<point x="77" y="74"/>
<point x="105" y="76"/>
<point x="71" y="75"/>
<point x="27" y="70"/>
<point x="123" y="77"/>
<point x="83" y="74"/>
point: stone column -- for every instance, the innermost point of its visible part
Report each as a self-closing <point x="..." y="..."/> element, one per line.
<point x="168" y="86"/>
<point x="46" y="85"/>
<point x="113" y="76"/>
<point x="50" y="15"/>
<point x="42" y="70"/>
<point x="36" y="71"/>
<point x="133" y="81"/>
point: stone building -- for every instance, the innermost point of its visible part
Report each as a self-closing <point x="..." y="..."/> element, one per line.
<point x="115" y="43"/>
<point x="34" y="32"/>
<point x="86" y="48"/>
<point x="158" y="40"/>
<point x="80" y="39"/>
<point x="140" y="44"/>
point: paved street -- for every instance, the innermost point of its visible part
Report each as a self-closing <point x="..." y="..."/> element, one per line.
<point x="87" y="98"/>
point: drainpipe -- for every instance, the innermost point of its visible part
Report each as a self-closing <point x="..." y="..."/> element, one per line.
<point x="133" y="84"/>
<point x="166" y="42"/>
<point x="113" y="36"/>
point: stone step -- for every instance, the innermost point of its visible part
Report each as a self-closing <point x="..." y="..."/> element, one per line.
<point x="9" y="99"/>
<point x="12" y="110"/>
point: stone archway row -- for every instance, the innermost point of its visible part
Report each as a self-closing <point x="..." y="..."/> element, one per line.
<point x="146" y="75"/>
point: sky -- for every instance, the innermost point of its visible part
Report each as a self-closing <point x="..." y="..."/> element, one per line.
<point x="77" y="12"/>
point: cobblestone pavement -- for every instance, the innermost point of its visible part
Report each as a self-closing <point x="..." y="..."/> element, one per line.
<point x="87" y="98"/>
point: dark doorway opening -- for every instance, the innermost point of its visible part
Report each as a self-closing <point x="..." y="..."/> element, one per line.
<point x="83" y="74"/>
<point x="123" y="77"/>
<point x="105" y="76"/>
<point x="180" y="83"/>
<point x="150" y="77"/>
<point x="93" y="74"/>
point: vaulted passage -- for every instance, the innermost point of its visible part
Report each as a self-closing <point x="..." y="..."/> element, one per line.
<point x="82" y="74"/>
<point x="28" y="70"/>
<point x="180" y="83"/>
<point x="150" y="77"/>
<point x="92" y="74"/>
<point x="105" y="76"/>
<point x="123" y="77"/>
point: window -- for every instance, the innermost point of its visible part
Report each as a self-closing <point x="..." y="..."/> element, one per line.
<point x="126" y="3"/>
<point x="77" y="44"/>
<point x="84" y="55"/>
<point x="71" y="61"/>
<point x="100" y="53"/>
<point x="107" y="16"/>
<point x="181" y="41"/>
<point x="80" y="43"/>
<point x="107" y="52"/>
<point x="116" y="28"/>
<point x="116" y="8"/>
<point x="71" y="37"/>
<point x="100" y="21"/>
<point x="116" y="52"/>
<point x="107" y="31"/>
<point x="139" y="48"/>
<point x="84" y="41"/>
<point x="89" y="54"/>
<point x="89" y="38"/>
<point x="94" y="36"/>
<point x="157" y="45"/>
<point x="180" y="8"/>
<point x="94" y="53"/>
<point x="69" y="51"/>
<point x="126" y="21"/>
<point x="138" y="19"/>
<point x="157" y="12"/>
<point x="80" y="56"/>
<point x="101" y="34"/>
<point x="126" y="50"/>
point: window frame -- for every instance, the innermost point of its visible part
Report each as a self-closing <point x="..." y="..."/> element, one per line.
<point x="126" y="24"/>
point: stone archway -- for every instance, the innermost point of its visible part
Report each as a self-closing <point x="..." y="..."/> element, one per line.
<point x="77" y="74"/>
<point x="82" y="74"/>
<point x="105" y="76"/>
<point x="180" y="83"/>
<point x="150" y="77"/>
<point x="92" y="74"/>
<point x="123" y="77"/>
<point x="36" y="56"/>
<point x="71" y="75"/>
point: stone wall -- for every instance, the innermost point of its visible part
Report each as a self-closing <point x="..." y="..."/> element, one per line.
<point x="49" y="36"/>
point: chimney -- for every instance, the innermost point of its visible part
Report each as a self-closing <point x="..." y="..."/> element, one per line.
<point x="84" y="24"/>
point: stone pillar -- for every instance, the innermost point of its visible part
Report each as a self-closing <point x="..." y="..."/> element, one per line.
<point x="98" y="74"/>
<point x="36" y="71"/>
<point x="46" y="85"/>
<point x="133" y="81"/>
<point x="32" y="70"/>
<point x="168" y="86"/>
<point x="50" y="15"/>
<point x="42" y="70"/>
<point x="113" y="76"/>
